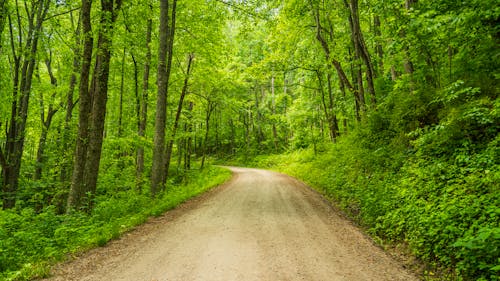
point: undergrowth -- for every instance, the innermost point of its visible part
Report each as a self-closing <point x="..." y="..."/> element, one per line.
<point x="432" y="187"/>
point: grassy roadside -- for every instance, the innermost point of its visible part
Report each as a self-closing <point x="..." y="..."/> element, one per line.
<point x="30" y="243"/>
<point x="442" y="214"/>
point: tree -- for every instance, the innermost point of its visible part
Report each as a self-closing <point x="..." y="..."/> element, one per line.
<point x="24" y="55"/>
<point x="170" y="144"/>
<point x="92" y="104"/>
<point x="143" y="104"/>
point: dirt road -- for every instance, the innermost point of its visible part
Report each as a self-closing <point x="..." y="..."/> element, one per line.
<point x="259" y="226"/>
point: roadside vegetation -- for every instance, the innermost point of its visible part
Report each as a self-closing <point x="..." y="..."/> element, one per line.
<point x="32" y="241"/>
<point x="434" y="193"/>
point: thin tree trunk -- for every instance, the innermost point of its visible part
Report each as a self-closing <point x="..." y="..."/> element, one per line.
<point x="70" y="105"/>
<point x="120" y="105"/>
<point x="168" y="154"/>
<point x="358" y="95"/>
<point x="210" y="108"/>
<point x="408" y="64"/>
<point x="46" y="122"/>
<point x="3" y="17"/>
<point x="378" y="47"/>
<point x="144" y="106"/>
<point x="358" y="55"/>
<point x="273" y="111"/>
<point x="189" y="148"/>
<point x="363" y="51"/>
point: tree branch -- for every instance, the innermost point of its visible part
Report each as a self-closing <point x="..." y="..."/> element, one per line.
<point x="62" y="13"/>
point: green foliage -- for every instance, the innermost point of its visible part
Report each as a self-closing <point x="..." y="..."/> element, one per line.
<point x="434" y="189"/>
<point x="30" y="242"/>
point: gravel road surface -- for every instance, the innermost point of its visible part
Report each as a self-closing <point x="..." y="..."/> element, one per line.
<point x="260" y="225"/>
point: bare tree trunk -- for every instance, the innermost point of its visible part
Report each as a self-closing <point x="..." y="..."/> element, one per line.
<point x="167" y="31"/>
<point x="168" y="154"/>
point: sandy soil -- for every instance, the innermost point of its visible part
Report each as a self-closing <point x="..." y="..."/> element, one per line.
<point x="259" y="226"/>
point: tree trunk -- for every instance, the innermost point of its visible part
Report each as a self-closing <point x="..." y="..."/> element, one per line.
<point x="77" y="190"/>
<point x="3" y="17"/>
<point x="273" y="111"/>
<point x="330" y="116"/>
<point x="378" y="47"/>
<point x="188" y="127"/>
<point x="46" y="122"/>
<point x="91" y="122"/>
<point x="144" y="106"/>
<point x="168" y="154"/>
<point x="11" y="155"/>
<point x="100" y="95"/>
<point x="357" y="93"/>
<point x="122" y="86"/>
<point x="189" y="148"/>
<point x="360" y="53"/>
<point x="166" y="39"/>
<point x="408" y="64"/>
<point x="70" y="105"/>
<point x="210" y="108"/>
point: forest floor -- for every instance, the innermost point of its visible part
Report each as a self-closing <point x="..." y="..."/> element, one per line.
<point x="260" y="225"/>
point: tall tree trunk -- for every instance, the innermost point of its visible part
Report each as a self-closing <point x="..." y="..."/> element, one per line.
<point x="11" y="155"/>
<point x="167" y="31"/>
<point x="100" y="95"/>
<point x="143" y="115"/>
<point x="170" y="145"/>
<point x="87" y="160"/>
<point x="77" y="190"/>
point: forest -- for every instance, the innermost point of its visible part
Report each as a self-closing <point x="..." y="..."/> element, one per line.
<point x="113" y="111"/>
